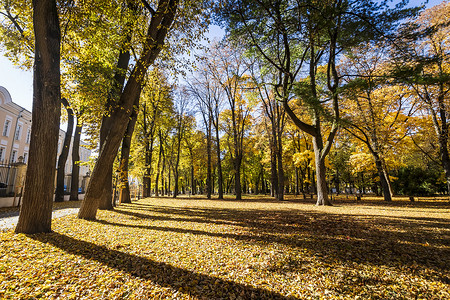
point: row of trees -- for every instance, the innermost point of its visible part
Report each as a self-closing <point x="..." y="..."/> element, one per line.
<point x="104" y="49"/>
<point x="262" y="113"/>
<point x="376" y="142"/>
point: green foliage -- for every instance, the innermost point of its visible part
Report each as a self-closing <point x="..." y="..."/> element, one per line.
<point x="416" y="181"/>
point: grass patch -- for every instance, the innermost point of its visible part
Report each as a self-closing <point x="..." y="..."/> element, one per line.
<point x="163" y="248"/>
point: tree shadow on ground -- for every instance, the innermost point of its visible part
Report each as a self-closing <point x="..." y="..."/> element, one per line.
<point x="412" y="242"/>
<point x="341" y="200"/>
<point x="160" y="273"/>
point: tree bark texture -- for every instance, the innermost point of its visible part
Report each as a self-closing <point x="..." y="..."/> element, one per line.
<point x="36" y="211"/>
<point x="280" y="195"/>
<point x="273" y="167"/>
<point x="219" y="166"/>
<point x="209" y="165"/>
<point x="59" y="193"/>
<point x="384" y="178"/>
<point x="237" y="177"/>
<point x="322" y="188"/>
<point x="74" y="185"/>
<point x="124" y="186"/>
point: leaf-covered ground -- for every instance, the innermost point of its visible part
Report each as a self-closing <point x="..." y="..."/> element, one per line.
<point x="254" y="249"/>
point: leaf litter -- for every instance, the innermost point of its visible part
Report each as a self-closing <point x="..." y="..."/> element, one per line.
<point x="162" y="248"/>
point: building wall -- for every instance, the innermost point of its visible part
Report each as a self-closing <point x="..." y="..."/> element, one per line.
<point x="15" y="129"/>
<point x="15" y="134"/>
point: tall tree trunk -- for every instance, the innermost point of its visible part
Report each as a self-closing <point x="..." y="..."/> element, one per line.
<point x="337" y="183"/>
<point x="175" y="171"/>
<point x="36" y="211"/>
<point x="208" y="151"/>
<point x="192" y="179"/>
<point x="237" y="177"/>
<point x="384" y="178"/>
<point x="322" y="188"/>
<point x="105" y="200"/>
<point x="159" y="165"/>
<point x="163" y="169"/>
<point x="59" y="193"/>
<point x="219" y="167"/>
<point x="147" y="181"/>
<point x="158" y="28"/>
<point x="280" y="195"/>
<point x="273" y="172"/>
<point x="124" y="186"/>
<point x="74" y="183"/>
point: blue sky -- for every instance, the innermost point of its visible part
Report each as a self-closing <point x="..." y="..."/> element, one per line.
<point x="19" y="83"/>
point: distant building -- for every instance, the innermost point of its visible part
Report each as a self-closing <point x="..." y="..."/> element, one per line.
<point x="85" y="153"/>
<point x="15" y="134"/>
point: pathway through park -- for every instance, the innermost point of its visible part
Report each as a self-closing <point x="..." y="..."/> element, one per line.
<point x="9" y="220"/>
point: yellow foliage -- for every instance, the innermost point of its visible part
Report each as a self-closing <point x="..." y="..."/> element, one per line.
<point x="362" y="162"/>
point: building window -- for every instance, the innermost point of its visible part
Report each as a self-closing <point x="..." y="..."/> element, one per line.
<point x="13" y="156"/>
<point x="18" y="133"/>
<point x="6" y="128"/>
<point x="2" y="153"/>
<point x="25" y="157"/>
<point x="28" y="136"/>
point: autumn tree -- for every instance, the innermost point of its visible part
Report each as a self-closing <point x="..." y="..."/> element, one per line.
<point x="423" y="49"/>
<point x="181" y="118"/>
<point x="264" y="84"/>
<point x="36" y="212"/>
<point x="228" y="66"/>
<point x="209" y="94"/>
<point x="160" y="22"/>
<point x="203" y="95"/>
<point x="193" y="143"/>
<point x="155" y="106"/>
<point x="303" y="35"/>
<point x="376" y="109"/>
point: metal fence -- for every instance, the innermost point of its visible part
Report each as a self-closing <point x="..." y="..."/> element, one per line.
<point x="7" y="179"/>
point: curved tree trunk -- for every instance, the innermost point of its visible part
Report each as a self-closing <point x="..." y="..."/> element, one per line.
<point x="156" y="34"/>
<point x="106" y="198"/>
<point x="76" y="162"/>
<point x="59" y="193"/>
<point x="384" y="178"/>
<point x="124" y="186"/>
<point x="36" y="211"/>
<point x="322" y="188"/>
